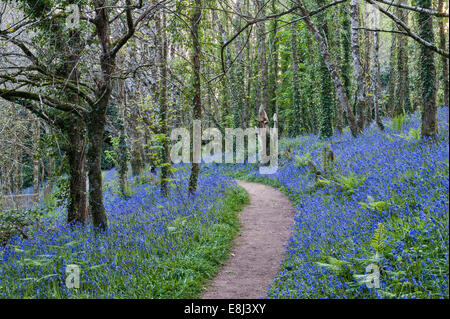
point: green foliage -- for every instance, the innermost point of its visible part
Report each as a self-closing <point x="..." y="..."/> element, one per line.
<point x="144" y="179"/>
<point x="399" y="121"/>
<point x="378" y="239"/>
<point x="347" y="184"/>
<point x="302" y="161"/>
<point x="374" y="205"/>
<point x="414" y="135"/>
<point x="60" y="192"/>
<point x="13" y="223"/>
<point x="339" y="267"/>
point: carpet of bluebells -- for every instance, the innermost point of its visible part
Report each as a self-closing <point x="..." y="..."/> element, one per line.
<point x="384" y="206"/>
<point x="381" y="204"/>
<point x="155" y="246"/>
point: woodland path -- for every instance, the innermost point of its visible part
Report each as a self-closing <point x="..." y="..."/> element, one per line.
<point x="258" y="250"/>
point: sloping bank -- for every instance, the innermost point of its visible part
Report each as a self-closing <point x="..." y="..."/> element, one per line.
<point x="382" y="205"/>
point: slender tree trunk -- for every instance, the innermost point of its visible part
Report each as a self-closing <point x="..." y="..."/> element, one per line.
<point x="298" y="117"/>
<point x="368" y="50"/>
<point x="51" y="162"/>
<point x="334" y="70"/>
<point x="403" y="100"/>
<point x="197" y="101"/>
<point x="326" y="98"/>
<point x="443" y="45"/>
<point x="360" y="81"/>
<point x="163" y="103"/>
<point x="345" y="62"/>
<point x="390" y="108"/>
<point x="16" y="164"/>
<point x="123" y="147"/>
<point x="345" y="43"/>
<point x="36" y="137"/>
<point x="273" y="78"/>
<point x="376" y="71"/>
<point x="263" y="75"/>
<point x="136" y="160"/>
<point x="428" y="74"/>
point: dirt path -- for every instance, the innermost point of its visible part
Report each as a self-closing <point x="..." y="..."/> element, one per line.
<point x="258" y="250"/>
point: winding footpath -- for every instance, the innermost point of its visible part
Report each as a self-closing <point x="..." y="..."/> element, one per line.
<point x="258" y="250"/>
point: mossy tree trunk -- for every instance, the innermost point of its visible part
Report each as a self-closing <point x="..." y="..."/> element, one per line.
<point x="197" y="101"/>
<point x="326" y="97"/>
<point x="427" y="74"/>
<point x="403" y="99"/>
<point x="76" y="155"/>
<point x="357" y="67"/>
<point x="299" y="118"/>
<point x="443" y="38"/>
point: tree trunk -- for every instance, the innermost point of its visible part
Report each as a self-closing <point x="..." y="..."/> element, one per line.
<point x="263" y="75"/>
<point x="376" y="71"/>
<point x="36" y="136"/>
<point x="334" y="72"/>
<point x="403" y="100"/>
<point x="136" y="161"/>
<point x="443" y="45"/>
<point x="345" y="63"/>
<point x="163" y="103"/>
<point x="197" y="101"/>
<point x="368" y="48"/>
<point x="77" y="210"/>
<point x="96" y="127"/>
<point x="389" y="110"/>
<point x="298" y="118"/>
<point x="427" y="74"/>
<point x="360" y="81"/>
<point x="122" y="147"/>
<point x="326" y="98"/>
<point x="273" y="78"/>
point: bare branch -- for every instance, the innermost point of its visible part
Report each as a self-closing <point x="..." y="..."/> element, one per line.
<point x="416" y="9"/>
<point x="272" y="16"/>
<point x="408" y="31"/>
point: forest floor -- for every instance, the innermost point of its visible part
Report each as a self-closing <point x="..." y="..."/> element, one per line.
<point x="258" y="250"/>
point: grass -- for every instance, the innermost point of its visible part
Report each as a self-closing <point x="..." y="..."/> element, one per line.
<point x="189" y="271"/>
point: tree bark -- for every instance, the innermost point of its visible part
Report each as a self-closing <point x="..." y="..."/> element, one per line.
<point x="96" y="125"/>
<point x="298" y="118"/>
<point x="334" y="72"/>
<point x="163" y="103"/>
<point x="273" y="78"/>
<point x="77" y="210"/>
<point x="427" y="74"/>
<point x="122" y="147"/>
<point x="197" y="101"/>
<point x="263" y="75"/>
<point x="360" y="81"/>
<point x="36" y="136"/>
<point x="368" y="50"/>
<point x="443" y="44"/>
<point x="403" y="100"/>
<point x="345" y="63"/>
<point x="376" y="71"/>
<point x="390" y="108"/>
<point x="326" y="98"/>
